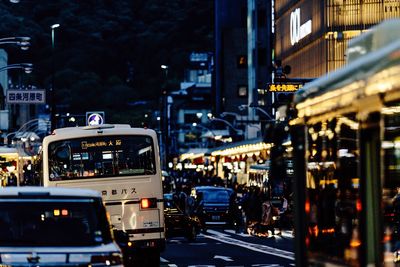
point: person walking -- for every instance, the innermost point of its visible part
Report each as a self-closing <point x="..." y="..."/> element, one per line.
<point x="199" y="211"/>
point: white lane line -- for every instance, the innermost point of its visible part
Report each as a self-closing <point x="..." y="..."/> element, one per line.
<point x="163" y="260"/>
<point x="209" y="231"/>
<point x="251" y="246"/>
<point x="233" y="232"/>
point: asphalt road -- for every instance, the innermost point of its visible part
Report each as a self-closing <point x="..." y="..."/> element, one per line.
<point x="219" y="247"/>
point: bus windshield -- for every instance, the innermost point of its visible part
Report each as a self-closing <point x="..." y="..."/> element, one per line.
<point x="98" y="157"/>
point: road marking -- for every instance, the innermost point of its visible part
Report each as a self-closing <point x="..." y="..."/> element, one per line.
<point x="267" y="265"/>
<point x="225" y="258"/>
<point x="251" y="246"/>
<point x="163" y="260"/>
<point x="209" y="231"/>
<point x="172" y="265"/>
<point x="234" y="233"/>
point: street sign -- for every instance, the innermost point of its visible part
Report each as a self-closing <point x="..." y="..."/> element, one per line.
<point x="94" y="117"/>
<point x="26" y="97"/>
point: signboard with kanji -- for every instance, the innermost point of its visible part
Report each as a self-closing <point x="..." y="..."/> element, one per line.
<point x="284" y="87"/>
<point x="26" y="97"/>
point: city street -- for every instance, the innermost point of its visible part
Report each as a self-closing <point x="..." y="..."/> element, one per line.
<point x="223" y="247"/>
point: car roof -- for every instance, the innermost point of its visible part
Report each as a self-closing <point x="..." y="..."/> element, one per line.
<point x="49" y="191"/>
<point x="211" y="188"/>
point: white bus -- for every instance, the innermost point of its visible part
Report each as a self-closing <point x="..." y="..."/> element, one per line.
<point x="123" y="164"/>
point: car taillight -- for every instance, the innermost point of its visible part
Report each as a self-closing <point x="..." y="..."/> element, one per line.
<point x="148" y="203"/>
<point x="114" y="259"/>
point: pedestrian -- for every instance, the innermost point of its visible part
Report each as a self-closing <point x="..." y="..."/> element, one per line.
<point x="267" y="222"/>
<point x="235" y="216"/>
<point x="199" y="211"/>
<point x="12" y="180"/>
<point x="253" y="209"/>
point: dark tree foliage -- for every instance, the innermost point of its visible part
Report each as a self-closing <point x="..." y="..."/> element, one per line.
<point x="108" y="53"/>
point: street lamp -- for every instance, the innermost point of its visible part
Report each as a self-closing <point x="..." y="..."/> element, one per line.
<point x="238" y="131"/>
<point x="254" y="106"/>
<point x="27" y="67"/>
<point x="52" y="94"/>
<point x="22" y="41"/>
<point x="194" y="124"/>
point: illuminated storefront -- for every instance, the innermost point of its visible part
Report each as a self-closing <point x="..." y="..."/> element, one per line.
<point x="312" y="35"/>
<point x="233" y="161"/>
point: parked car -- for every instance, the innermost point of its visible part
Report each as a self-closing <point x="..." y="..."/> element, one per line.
<point x="216" y="209"/>
<point x="177" y="222"/>
<point x="55" y="227"/>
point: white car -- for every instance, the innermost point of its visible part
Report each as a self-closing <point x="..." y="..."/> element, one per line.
<point x="55" y="227"/>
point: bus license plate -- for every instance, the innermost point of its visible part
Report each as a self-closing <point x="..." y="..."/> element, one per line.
<point x="215" y="217"/>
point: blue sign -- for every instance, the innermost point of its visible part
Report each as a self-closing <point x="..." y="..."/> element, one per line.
<point x="95" y="118"/>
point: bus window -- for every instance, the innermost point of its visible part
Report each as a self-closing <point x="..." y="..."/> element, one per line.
<point x="332" y="189"/>
<point x="96" y="157"/>
<point x="391" y="183"/>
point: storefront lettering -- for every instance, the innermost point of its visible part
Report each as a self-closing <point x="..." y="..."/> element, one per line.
<point x="298" y="31"/>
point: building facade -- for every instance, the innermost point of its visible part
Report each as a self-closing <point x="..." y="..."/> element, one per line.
<point x="243" y="47"/>
<point x="312" y="35"/>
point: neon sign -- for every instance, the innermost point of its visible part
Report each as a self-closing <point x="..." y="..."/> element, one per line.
<point x="298" y="31"/>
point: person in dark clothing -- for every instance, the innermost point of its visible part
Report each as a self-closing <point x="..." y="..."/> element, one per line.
<point x="235" y="213"/>
<point x="12" y="180"/>
<point x="253" y="208"/>
<point x="198" y="211"/>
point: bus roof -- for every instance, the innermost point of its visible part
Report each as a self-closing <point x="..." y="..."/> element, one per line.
<point x="371" y="61"/>
<point x="103" y="127"/>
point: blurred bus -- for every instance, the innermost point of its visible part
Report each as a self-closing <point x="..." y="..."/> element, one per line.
<point x="346" y="140"/>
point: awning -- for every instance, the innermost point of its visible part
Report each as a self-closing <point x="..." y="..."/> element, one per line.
<point x="194" y="153"/>
<point x="243" y="147"/>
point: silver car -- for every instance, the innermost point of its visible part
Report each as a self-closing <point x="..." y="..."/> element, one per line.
<point x="55" y="227"/>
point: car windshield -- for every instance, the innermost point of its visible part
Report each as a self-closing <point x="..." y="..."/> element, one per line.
<point x="53" y="222"/>
<point x="216" y="196"/>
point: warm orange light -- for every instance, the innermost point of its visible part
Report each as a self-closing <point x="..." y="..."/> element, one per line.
<point x="355" y="243"/>
<point x="313" y="230"/>
<point x="56" y="212"/>
<point x="144" y="203"/>
<point x="307" y="206"/>
<point x="328" y="231"/>
<point x="64" y="212"/>
<point x="358" y="205"/>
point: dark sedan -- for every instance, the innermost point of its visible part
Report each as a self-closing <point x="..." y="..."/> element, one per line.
<point x="216" y="207"/>
<point x="177" y="223"/>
